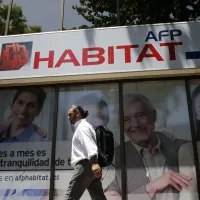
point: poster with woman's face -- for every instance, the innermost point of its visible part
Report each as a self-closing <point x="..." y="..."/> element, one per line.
<point x="195" y="97"/>
<point x="26" y="114"/>
<point x="187" y="158"/>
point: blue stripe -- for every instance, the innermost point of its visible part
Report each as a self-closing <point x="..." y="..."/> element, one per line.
<point x="192" y="55"/>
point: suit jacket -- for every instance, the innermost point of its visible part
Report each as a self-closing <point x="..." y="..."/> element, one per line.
<point x="135" y="169"/>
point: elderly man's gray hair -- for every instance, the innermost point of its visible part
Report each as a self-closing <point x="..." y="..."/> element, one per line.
<point x="133" y="97"/>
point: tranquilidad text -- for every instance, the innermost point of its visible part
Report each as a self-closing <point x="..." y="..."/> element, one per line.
<point x="30" y="162"/>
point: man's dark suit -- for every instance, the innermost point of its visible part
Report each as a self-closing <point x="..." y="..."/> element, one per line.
<point x="136" y="172"/>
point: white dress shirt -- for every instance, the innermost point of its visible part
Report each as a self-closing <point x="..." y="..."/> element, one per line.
<point x="84" y="144"/>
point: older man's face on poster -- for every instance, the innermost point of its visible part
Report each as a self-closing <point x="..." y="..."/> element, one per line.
<point x="139" y="122"/>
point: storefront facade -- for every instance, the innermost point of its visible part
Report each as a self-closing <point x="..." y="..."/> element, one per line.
<point x="142" y="82"/>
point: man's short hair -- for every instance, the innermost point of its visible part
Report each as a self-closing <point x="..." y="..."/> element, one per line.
<point x="38" y="91"/>
<point x="133" y="97"/>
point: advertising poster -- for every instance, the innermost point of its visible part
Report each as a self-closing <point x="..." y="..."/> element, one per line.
<point x="26" y="116"/>
<point x="157" y="130"/>
<point x="99" y="101"/>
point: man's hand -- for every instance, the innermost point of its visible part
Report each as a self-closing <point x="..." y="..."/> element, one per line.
<point x="169" y="178"/>
<point x="96" y="169"/>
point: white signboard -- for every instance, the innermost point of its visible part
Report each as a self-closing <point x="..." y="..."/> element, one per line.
<point x="106" y="50"/>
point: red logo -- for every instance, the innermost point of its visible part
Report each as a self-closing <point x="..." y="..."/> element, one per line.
<point x="14" y="56"/>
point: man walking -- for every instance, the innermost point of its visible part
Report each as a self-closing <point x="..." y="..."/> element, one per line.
<point x="87" y="172"/>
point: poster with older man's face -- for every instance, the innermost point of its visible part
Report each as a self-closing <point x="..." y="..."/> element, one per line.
<point x="158" y="151"/>
<point x="25" y="142"/>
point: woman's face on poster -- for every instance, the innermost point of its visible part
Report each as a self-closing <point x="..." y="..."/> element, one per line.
<point x="197" y="106"/>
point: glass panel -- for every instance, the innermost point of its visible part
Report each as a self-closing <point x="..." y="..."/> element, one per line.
<point x="26" y="116"/>
<point x="158" y="141"/>
<point x="100" y="101"/>
<point x="195" y="96"/>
